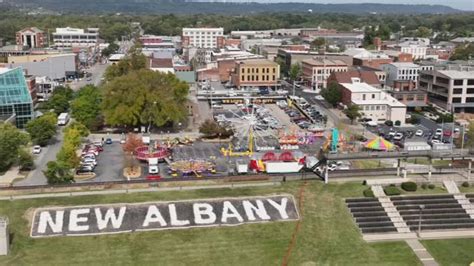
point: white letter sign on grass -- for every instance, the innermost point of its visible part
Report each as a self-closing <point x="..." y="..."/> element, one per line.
<point x="132" y="217"/>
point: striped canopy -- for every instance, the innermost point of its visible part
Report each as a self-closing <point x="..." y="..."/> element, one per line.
<point x="379" y="144"/>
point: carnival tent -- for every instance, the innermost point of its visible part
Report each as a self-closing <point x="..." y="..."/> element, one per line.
<point x="379" y="144"/>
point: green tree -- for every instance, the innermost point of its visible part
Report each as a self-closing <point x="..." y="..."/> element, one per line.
<point x="469" y="136"/>
<point x="424" y="32"/>
<point x="85" y="108"/>
<point x="135" y="60"/>
<point x="283" y="66"/>
<point x="60" y="99"/>
<point x="332" y="94"/>
<point x="352" y="112"/>
<point x="111" y="49"/>
<point x="295" y="72"/>
<point x="463" y="52"/>
<point x="58" y="173"/>
<point x="318" y="43"/>
<point x="42" y="129"/>
<point x="25" y="160"/>
<point x="144" y="97"/>
<point x="11" y="142"/>
<point x="82" y="129"/>
<point x="211" y="129"/>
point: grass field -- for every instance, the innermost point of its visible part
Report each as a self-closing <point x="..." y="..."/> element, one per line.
<point x="451" y="252"/>
<point x="328" y="235"/>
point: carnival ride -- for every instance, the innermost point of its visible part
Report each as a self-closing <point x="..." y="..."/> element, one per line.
<point x="284" y="162"/>
<point x="334" y="141"/>
<point x="191" y="167"/>
<point x="247" y="132"/>
<point x="144" y="153"/>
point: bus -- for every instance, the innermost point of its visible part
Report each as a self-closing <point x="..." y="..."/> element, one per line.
<point x="63" y="119"/>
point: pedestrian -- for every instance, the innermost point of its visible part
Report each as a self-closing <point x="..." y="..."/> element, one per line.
<point x="284" y="178"/>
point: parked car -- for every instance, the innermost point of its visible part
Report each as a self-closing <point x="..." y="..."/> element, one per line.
<point x="389" y="123"/>
<point x="36" y="149"/>
<point x="398" y="136"/>
<point x="108" y="141"/>
<point x="439" y="131"/>
<point x="419" y="133"/>
<point x="319" y="98"/>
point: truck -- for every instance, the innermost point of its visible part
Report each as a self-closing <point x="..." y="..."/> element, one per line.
<point x="283" y="167"/>
<point x="242" y="167"/>
<point x="63" y="119"/>
<point x="153" y="168"/>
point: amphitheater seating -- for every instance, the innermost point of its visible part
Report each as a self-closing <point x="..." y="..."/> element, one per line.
<point x="440" y="212"/>
<point x="370" y="216"/>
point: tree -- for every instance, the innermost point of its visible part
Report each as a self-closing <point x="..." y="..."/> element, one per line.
<point x="295" y="72"/>
<point x="318" y="43"/>
<point x="111" y="49"/>
<point x="332" y="94"/>
<point x="85" y="108"/>
<point x="463" y="52"/>
<point x="60" y="99"/>
<point x="58" y="173"/>
<point x="25" y="160"/>
<point x="42" y="129"/>
<point x="352" y="112"/>
<point x="83" y="131"/>
<point x="469" y="136"/>
<point x="211" y="129"/>
<point x="145" y="97"/>
<point x="132" y="143"/>
<point x="135" y="60"/>
<point x="11" y="142"/>
<point x="423" y="32"/>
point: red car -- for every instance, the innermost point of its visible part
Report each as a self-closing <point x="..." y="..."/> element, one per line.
<point x="153" y="177"/>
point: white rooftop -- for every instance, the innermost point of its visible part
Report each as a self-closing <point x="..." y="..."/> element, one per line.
<point x="360" y="87"/>
<point x="457" y="74"/>
<point x="404" y="65"/>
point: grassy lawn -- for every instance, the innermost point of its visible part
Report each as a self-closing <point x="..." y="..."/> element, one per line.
<point x="426" y="161"/>
<point x="368" y="164"/>
<point x="451" y="252"/>
<point x="328" y="235"/>
<point x="469" y="189"/>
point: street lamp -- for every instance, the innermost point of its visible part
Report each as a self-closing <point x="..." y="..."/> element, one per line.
<point x="419" y="219"/>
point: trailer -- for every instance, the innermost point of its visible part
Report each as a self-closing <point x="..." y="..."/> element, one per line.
<point x="63" y="119"/>
<point x="242" y="167"/>
<point x="153" y="168"/>
<point x="283" y="167"/>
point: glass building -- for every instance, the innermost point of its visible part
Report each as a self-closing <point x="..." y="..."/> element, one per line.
<point x="15" y="98"/>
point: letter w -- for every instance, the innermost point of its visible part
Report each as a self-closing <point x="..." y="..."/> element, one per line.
<point x="109" y="216"/>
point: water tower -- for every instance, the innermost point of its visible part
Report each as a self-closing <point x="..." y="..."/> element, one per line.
<point x="4" y="236"/>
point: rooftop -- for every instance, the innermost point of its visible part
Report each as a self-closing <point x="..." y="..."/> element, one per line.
<point x="360" y="87"/>
<point x="366" y="76"/>
<point x="257" y="62"/>
<point x="324" y="62"/>
<point x="4" y="70"/>
<point x="456" y="74"/>
<point x="404" y="65"/>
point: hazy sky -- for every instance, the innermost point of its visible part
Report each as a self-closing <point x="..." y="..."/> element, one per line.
<point x="459" y="4"/>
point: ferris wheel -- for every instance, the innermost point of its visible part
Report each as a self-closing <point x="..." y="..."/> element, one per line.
<point x="247" y="128"/>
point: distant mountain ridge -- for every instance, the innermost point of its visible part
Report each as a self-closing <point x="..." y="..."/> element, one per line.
<point x="193" y="7"/>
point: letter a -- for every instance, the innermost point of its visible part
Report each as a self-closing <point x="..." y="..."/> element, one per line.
<point x="153" y="215"/>
<point x="229" y="211"/>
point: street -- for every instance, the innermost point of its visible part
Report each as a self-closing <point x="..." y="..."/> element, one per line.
<point x="48" y="153"/>
<point x="97" y="72"/>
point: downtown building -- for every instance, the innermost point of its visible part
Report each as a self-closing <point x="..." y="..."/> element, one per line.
<point x="206" y="38"/>
<point x="73" y="37"/>
<point x="32" y="38"/>
<point x="317" y="71"/>
<point x="16" y="103"/>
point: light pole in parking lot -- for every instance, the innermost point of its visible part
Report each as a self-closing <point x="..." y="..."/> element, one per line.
<point x="419" y="219"/>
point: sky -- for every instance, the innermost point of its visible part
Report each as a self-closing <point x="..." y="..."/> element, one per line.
<point x="459" y="4"/>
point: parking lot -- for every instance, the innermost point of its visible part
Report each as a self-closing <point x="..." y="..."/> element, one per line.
<point x="109" y="164"/>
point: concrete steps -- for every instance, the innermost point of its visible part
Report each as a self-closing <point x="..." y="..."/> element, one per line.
<point x="394" y="215"/>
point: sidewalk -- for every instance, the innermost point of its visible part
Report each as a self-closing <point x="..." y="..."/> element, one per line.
<point x="421" y="252"/>
<point x="9" y="176"/>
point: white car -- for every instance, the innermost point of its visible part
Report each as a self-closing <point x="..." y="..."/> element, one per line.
<point x="319" y="98"/>
<point x="439" y="132"/>
<point x="435" y="141"/>
<point x="36" y="149"/>
<point x="232" y="94"/>
<point x="281" y="92"/>
<point x="398" y="136"/>
<point x="419" y="133"/>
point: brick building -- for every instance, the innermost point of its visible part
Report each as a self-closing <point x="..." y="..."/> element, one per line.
<point x="31" y="37"/>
